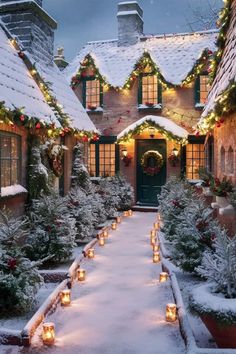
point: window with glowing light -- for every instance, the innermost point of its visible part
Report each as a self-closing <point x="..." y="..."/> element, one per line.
<point x="202" y="88"/>
<point x="195" y="158"/>
<point x="92" y="94"/>
<point x="10" y="159"/>
<point x="149" y="90"/>
<point x="103" y="158"/>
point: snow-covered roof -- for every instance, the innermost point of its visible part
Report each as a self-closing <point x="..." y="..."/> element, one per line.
<point x="165" y="123"/>
<point x="226" y="71"/>
<point x="65" y="96"/>
<point x="17" y="87"/>
<point x="175" y="55"/>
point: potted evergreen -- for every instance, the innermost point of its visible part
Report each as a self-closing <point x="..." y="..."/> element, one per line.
<point x="215" y="301"/>
<point x="221" y="189"/>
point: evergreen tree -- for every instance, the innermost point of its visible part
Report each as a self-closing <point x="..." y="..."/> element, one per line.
<point x="80" y="176"/>
<point x="219" y="267"/>
<point x="52" y="229"/>
<point x="19" y="277"/>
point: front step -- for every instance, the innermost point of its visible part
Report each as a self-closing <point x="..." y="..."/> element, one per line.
<point x="145" y="209"/>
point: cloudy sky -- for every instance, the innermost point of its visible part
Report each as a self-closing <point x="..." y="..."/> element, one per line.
<point x="80" y="21"/>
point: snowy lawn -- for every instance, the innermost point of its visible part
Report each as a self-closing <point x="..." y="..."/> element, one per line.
<point x="120" y="308"/>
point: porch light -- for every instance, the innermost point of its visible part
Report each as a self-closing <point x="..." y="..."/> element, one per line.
<point x="48" y="334"/>
<point x="65" y="297"/>
<point x="124" y="152"/>
<point x="171" y="313"/>
<point x="101" y="241"/>
<point x="81" y="274"/>
<point x="175" y="152"/>
<point x="151" y="131"/>
<point x="156" y="257"/>
<point x="90" y="253"/>
<point x="163" y="277"/>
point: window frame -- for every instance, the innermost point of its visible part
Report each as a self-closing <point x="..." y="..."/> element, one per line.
<point x="103" y="140"/>
<point x="193" y="140"/>
<point x="197" y="91"/>
<point x="140" y="90"/>
<point x="84" y="94"/>
<point x="18" y="138"/>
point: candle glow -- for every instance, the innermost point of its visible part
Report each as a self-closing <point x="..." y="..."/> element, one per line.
<point x="48" y="334"/>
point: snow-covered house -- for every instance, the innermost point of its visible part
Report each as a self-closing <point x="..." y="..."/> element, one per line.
<point x="145" y="92"/>
<point x="34" y="96"/>
<point x="218" y="119"/>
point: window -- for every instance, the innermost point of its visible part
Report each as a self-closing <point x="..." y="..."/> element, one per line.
<point x="195" y="158"/>
<point x="202" y="89"/>
<point x="10" y="159"/>
<point x="230" y="163"/>
<point x="222" y="159"/>
<point x="209" y="152"/>
<point x="92" y="94"/>
<point x="149" y="90"/>
<point x="103" y="158"/>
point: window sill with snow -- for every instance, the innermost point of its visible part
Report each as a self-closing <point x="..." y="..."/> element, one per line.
<point x="153" y="108"/>
<point x="97" y="110"/>
<point x="12" y="191"/>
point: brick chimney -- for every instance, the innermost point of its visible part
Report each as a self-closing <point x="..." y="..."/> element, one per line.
<point x="130" y="23"/>
<point x="31" y="26"/>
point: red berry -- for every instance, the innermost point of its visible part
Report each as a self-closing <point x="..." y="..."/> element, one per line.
<point x="22" y="117"/>
<point x="38" y="126"/>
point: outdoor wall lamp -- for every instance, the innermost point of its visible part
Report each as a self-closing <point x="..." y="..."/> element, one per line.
<point x="173" y="158"/>
<point x="175" y="152"/>
<point x="126" y="158"/>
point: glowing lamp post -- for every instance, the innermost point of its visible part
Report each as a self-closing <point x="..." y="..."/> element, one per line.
<point x="81" y="274"/>
<point x="171" y="313"/>
<point x="155" y="247"/>
<point x="163" y="277"/>
<point x="65" y="298"/>
<point x="101" y="241"/>
<point x="118" y="219"/>
<point x="114" y="226"/>
<point x="90" y="253"/>
<point x="156" y="257"/>
<point x="48" y="334"/>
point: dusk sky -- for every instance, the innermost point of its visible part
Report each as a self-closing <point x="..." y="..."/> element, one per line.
<point x="80" y="21"/>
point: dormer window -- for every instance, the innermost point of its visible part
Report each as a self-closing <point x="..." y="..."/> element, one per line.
<point x="202" y="89"/>
<point x="92" y="94"/>
<point x="149" y="92"/>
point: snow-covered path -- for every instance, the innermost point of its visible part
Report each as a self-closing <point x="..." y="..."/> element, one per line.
<point x="120" y="309"/>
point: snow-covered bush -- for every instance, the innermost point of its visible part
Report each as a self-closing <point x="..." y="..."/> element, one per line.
<point x="82" y="210"/>
<point x="80" y="176"/>
<point x="52" y="229"/>
<point x="19" y="277"/>
<point x="219" y="267"/>
<point x="174" y="198"/>
<point x="195" y="232"/>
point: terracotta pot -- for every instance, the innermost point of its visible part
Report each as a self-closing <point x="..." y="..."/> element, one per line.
<point x="224" y="335"/>
<point x="222" y="201"/>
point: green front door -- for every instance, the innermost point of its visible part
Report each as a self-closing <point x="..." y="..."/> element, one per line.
<point x="149" y="186"/>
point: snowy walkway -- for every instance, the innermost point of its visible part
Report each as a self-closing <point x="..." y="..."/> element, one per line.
<point x="120" y="309"/>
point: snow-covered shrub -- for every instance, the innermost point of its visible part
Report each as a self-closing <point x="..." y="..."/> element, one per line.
<point x="82" y="210"/>
<point x="174" y="198"/>
<point x="195" y="232"/>
<point x="52" y="229"/>
<point x="80" y="176"/>
<point x="19" y="277"/>
<point x="123" y="190"/>
<point x="219" y="267"/>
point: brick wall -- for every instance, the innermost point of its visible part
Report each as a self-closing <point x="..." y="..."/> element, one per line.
<point x="225" y="137"/>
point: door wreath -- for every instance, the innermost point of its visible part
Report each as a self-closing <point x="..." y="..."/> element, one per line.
<point x="151" y="162"/>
